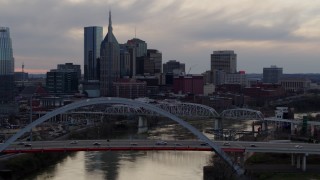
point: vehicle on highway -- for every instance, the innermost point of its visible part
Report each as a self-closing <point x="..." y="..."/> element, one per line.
<point x="27" y="145"/>
<point x="161" y="143"/>
<point x="226" y="144"/>
<point x="204" y="144"/>
<point x="298" y="146"/>
<point x="21" y="143"/>
<point x="133" y="144"/>
<point x="96" y="144"/>
<point x="253" y="145"/>
<point x="177" y="144"/>
<point x="74" y="142"/>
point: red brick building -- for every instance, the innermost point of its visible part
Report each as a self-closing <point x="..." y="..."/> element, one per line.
<point x="188" y="84"/>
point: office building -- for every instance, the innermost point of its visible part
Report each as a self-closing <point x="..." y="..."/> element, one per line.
<point x="92" y="41"/>
<point x="129" y="88"/>
<point x="189" y="84"/>
<point x="139" y="45"/>
<point x="109" y="61"/>
<point x="138" y="51"/>
<point x="6" y="67"/>
<point x="152" y="62"/>
<point x="173" y="66"/>
<point x="272" y="74"/>
<point x="71" y="67"/>
<point x="295" y="85"/>
<point x="224" y="60"/>
<point x="125" y="62"/>
<point x="60" y="82"/>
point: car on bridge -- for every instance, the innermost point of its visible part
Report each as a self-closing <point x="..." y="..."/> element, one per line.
<point x="161" y="143"/>
<point x="21" y="143"/>
<point x="74" y="142"/>
<point x="226" y="144"/>
<point x="27" y="145"/>
<point x="96" y="144"/>
<point x="204" y="144"/>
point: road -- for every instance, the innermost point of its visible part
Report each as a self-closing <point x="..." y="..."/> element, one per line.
<point x="149" y="145"/>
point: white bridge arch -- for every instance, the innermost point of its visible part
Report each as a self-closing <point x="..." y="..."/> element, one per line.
<point x="109" y="100"/>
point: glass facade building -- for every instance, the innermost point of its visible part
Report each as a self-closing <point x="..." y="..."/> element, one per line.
<point x="6" y="67"/>
<point x="6" y="55"/>
<point x="92" y="41"/>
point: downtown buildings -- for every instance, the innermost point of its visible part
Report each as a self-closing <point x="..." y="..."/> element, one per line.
<point x="115" y="62"/>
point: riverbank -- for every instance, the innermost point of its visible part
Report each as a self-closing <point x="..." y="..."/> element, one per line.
<point x="278" y="166"/>
<point x="17" y="168"/>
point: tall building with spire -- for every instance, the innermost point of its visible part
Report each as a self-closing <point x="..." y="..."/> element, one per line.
<point x="109" y="61"/>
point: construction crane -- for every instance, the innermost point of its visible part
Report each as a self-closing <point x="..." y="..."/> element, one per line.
<point x="191" y="67"/>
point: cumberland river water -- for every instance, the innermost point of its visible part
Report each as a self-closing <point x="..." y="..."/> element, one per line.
<point x="168" y="165"/>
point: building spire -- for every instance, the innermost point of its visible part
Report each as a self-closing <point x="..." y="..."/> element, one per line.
<point x="110" y="23"/>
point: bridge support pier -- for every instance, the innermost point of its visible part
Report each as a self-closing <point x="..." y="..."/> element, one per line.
<point x="292" y="129"/>
<point x="264" y="126"/>
<point x="292" y="160"/>
<point x="304" y="162"/>
<point x="217" y="124"/>
<point x="142" y="125"/>
<point x="298" y="161"/>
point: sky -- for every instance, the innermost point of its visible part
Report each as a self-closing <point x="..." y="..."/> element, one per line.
<point x="284" y="33"/>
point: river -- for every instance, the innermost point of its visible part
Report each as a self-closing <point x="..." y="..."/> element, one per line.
<point x="169" y="165"/>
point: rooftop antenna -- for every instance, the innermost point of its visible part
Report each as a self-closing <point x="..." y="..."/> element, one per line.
<point x="135" y="31"/>
<point x="22" y="74"/>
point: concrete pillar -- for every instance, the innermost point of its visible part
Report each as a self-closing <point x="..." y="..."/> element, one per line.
<point x="298" y="162"/>
<point x="292" y="160"/>
<point x="241" y="160"/>
<point x="252" y="127"/>
<point x="304" y="162"/>
<point x="216" y="124"/>
<point x="292" y="129"/>
<point x="142" y="125"/>
<point x="312" y="130"/>
<point x="264" y="125"/>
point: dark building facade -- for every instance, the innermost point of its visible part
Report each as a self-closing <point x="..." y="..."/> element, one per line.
<point x="62" y="82"/>
<point x="109" y="61"/>
<point x="92" y="42"/>
<point x="70" y="67"/>
<point x="129" y="88"/>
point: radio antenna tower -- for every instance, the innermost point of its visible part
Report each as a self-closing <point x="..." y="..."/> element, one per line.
<point x="22" y="74"/>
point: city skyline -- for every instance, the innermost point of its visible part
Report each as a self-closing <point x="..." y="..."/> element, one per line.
<point x="266" y="33"/>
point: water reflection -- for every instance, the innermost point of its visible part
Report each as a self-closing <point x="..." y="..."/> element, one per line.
<point x="169" y="165"/>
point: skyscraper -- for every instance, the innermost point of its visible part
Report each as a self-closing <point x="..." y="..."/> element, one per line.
<point x="224" y="60"/>
<point x="6" y="55"/>
<point x="92" y="42"/>
<point x="109" y="61"/>
<point x="6" y="67"/>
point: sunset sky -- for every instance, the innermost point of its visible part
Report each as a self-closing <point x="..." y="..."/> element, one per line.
<point x="285" y="33"/>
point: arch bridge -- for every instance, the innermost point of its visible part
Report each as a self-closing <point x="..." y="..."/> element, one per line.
<point x="132" y="103"/>
<point x="177" y="108"/>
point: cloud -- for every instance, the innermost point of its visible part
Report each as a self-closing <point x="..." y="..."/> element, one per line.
<point x="51" y="31"/>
